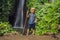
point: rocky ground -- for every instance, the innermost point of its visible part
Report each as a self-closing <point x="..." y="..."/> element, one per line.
<point x="16" y="36"/>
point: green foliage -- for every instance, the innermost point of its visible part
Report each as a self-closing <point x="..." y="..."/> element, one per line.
<point x="5" y="9"/>
<point x="47" y="16"/>
<point x="33" y="3"/>
<point x="47" y="20"/>
<point x="5" y="28"/>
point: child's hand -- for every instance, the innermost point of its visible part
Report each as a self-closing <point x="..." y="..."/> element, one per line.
<point x="35" y="21"/>
<point x="27" y="14"/>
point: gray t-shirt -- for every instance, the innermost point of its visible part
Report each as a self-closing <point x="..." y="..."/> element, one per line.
<point x="31" y="18"/>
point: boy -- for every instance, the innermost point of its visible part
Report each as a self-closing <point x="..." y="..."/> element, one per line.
<point x="31" y="21"/>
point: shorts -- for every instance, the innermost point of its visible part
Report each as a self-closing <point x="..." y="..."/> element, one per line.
<point x="31" y="26"/>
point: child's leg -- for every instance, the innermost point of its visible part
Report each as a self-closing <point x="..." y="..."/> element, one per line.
<point x="33" y="31"/>
<point x="27" y="32"/>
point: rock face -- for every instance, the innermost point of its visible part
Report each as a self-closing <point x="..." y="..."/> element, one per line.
<point x="51" y="1"/>
<point x="17" y="36"/>
<point x="13" y="15"/>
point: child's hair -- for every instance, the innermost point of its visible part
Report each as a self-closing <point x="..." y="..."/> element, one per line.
<point x="31" y="8"/>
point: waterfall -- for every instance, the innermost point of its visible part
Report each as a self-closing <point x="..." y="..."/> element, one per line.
<point x="19" y="18"/>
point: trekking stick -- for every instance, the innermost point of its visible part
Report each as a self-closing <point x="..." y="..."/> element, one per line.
<point x="25" y="22"/>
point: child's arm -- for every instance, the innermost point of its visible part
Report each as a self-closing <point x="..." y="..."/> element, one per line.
<point x="35" y="19"/>
<point x="26" y="18"/>
<point x="27" y="14"/>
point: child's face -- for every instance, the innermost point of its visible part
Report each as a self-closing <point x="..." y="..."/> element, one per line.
<point x="32" y="10"/>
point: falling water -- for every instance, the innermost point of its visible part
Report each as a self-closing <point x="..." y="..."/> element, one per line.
<point x="19" y="17"/>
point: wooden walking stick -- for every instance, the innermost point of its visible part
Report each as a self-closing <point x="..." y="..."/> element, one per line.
<point x="25" y="21"/>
